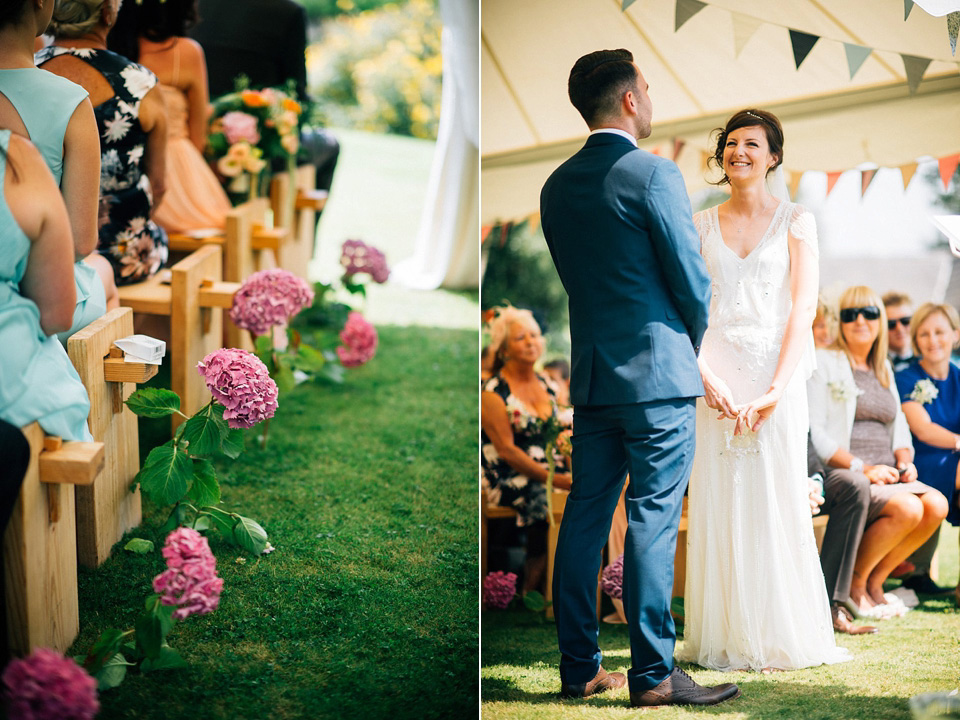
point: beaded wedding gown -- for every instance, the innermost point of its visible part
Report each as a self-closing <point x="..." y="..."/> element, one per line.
<point x="755" y="595"/>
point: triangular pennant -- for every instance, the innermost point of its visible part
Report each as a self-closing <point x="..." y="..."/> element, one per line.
<point x="948" y="165"/>
<point x="744" y="27"/>
<point x="677" y="147"/>
<point x="794" y="185"/>
<point x="626" y="4"/>
<point x="856" y="56"/>
<point x="686" y="9"/>
<point x="915" y="67"/>
<point x="533" y="220"/>
<point x="907" y="172"/>
<point x="656" y="151"/>
<point x="704" y="160"/>
<point x="907" y="7"/>
<point x="485" y="233"/>
<point x="802" y="45"/>
<point x="832" y="178"/>
<point x="866" y="177"/>
<point x="953" y="25"/>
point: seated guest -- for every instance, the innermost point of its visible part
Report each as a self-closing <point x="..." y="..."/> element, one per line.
<point x="514" y="405"/>
<point x="899" y="308"/>
<point x="37" y="297"/>
<point x="56" y="115"/>
<point x="486" y="363"/>
<point x="152" y="32"/>
<point x="132" y="124"/>
<point x="930" y="390"/>
<point x="824" y="326"/>
<point x="856" y="424"/>
<point x="558" y="370"/>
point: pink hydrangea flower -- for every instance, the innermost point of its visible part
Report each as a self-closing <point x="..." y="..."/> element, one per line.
<point x="190" y="580"/>
<point x="240" y="382"/>
<point x="240" y="126"/>
<point x="499" y="589"/>
<point x="48" y="686"/>
<point x="358" y="257"/>
<point x="612" y="578"/>
<point x="269" y="298"/>
<point x="359" y="340"/>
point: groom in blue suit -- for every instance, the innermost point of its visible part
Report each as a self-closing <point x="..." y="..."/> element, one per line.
<point x="620" y="230"/>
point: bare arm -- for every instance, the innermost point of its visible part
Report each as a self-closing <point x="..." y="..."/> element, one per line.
<point x="34" y="199"/>
<point x="926" y="430"/>
<point x="197" y="94"/>
<point x="153" y="119"/>
<point x="80" y="183"/>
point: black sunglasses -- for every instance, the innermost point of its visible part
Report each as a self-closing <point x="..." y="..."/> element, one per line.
<point x="849" y="315"/>
<point x="905" y="321"/>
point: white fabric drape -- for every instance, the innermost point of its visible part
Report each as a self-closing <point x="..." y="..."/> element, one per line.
<point x="447" y="247"/>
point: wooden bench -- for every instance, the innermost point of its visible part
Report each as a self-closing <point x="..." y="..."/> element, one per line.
<point x="296" y="203"/>
<point x="107" y="508"/>
<point x="40" y="544"/>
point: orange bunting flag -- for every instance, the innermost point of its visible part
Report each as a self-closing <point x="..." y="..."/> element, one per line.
<point x="832" y="178"/>
<point x="907" y="172"/>
<point x="704" y="159"/>
<point x="948" y="165"/>
<point x="866" y="177"/>
<point x="794" y="185"/>
<point x="677" y="147"/>
<point x="485" y="233"/>
<point x="533" y="220"/>
<point x="656" y="151"/>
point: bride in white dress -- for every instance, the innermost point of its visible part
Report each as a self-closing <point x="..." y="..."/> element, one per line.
<point x="755" y="596"/>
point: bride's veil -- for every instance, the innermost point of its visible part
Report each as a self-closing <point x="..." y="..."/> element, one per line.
<point x="777" y="185"/>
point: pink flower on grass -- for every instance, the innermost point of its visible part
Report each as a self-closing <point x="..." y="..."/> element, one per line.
<point x="358" y="257"/>
<point x="240" y="382"/>
<point x="240" y="126"/>
<point x="612" y="578"/>
<point x="190" y="580"/>
<point x="359" y="340"/>
<point x="48" y="686"/>
<point x="269" y="298"/>
<point x="499" y="589"/>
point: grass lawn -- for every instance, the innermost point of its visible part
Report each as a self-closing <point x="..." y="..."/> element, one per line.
<point x="917" y="653"/>
<point x="368" y="606"/>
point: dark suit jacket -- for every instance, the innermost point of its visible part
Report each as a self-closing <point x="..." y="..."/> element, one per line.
<point x="620" y="230"/>
<point x="264" y="39"/>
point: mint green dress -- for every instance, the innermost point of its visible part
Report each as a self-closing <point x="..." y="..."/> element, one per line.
<point x="45" y="103"/>
<point x="37" y="380"/>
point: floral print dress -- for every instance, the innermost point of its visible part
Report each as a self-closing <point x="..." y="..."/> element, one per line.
<point x="135" y="246"/>
<point x="505" y="486"/>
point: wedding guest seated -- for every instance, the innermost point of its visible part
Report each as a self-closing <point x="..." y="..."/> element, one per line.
<point x="153" y="32"/>
<point x="857" y="424"/>
<point x="824" y="325"/>
<point x="486" y="363"/>
<point x="899" y="309"/>
<point x="930" y="390"/>
<point x="558" y="371"/>
<point x="132" y="124"/>
<point x="55" y="114"/>
<point x="516" y="402"/>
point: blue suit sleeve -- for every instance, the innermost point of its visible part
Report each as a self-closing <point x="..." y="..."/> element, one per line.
<point x="677" y="247"/>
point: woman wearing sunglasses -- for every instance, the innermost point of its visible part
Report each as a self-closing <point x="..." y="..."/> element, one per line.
<point x="860" y="433"/>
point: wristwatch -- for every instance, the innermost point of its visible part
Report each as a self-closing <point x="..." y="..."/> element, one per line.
<point x="856" y="465"/>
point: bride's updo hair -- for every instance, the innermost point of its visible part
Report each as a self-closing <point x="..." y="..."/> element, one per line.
<point x="749" y="118"/>
<point x="75" y="18"/>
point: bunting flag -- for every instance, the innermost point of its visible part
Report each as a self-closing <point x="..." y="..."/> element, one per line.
<point x="485" y="233"/>
<point x="953" y="25"/>
<point x="677" y="147"/>
<point x="832" y="178"/>
<point x="907" y="7"/>
<point x="794" y="185"/>
<point x="744" y="27"/>
<point x="686" y="9"/>
<point x="948" y="165"/>
<point x="866" y="177"/>
<point x="704" y="160"/>
<point x="533" y="220"/>
<point x="915" y="67"/>
<point x="907" y="172"/>
<point x="626" y="4"/>
<point x="802" y="45"/>
<point x="856" y="56"/>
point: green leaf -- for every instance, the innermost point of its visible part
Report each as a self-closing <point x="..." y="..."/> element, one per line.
<point x="232" y="446"/>
<point x="263" y="349"/>
<point x="103" y="649"/>
<point x="205" y="489"/>
<point x="283" y="377"/>
<point x="333" y="371"/>
<point x="205" y="432"/>
<point x="153" y="402"/>
<point x="140" y="546"/>
<point x="174" y="519"/>
<point x="223" y="520"/>
<point x="202" y="523"/>
<point x="309" y="359"/>
<point x="169" y="659"/>
<point x="535" y="601"/>
<point x="149" y="630"/>
<point x="249" y="535"/>
<point x="112" y="673"/>
<point x="165" y="474"/>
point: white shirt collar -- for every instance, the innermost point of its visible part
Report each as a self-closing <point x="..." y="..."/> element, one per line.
<point x="616" y="131"/>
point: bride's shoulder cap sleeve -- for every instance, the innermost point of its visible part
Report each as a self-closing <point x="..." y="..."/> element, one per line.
<point x="803" y="227"/>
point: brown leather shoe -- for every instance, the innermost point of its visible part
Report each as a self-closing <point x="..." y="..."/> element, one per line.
<point x="601" y="682"/>
<point x="843" y="622"/>
<point x="680" y="689"/>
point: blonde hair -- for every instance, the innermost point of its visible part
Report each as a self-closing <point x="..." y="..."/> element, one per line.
<point x="75" y="18"/>
<point x="862" y="296"/>
<point x="923" y="312"/>
<point x="503" y="318"/>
